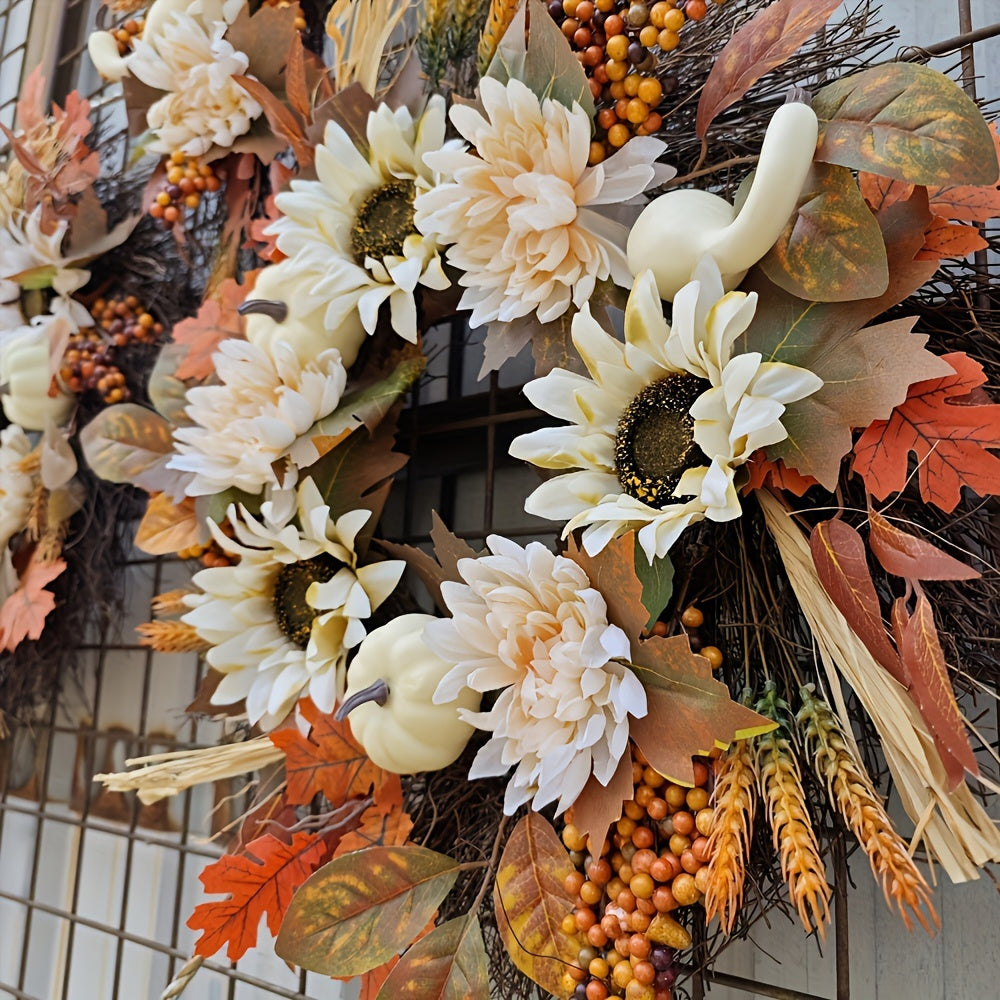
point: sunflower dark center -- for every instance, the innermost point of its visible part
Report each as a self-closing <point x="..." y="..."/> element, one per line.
<point x="291" y="610"/>
<point x="655" y="440"/>
<point x="384" y="221"/>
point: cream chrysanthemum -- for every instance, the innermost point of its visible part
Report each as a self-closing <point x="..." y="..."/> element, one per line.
<point x="660" y="427"/>
<point x="518" y="208"/>
<point x="191" y="60"/>
<point x="282" y="619"/>
<point x="25" y="245"/>
<point x="266" y="402"/>
<point x="530" y="622"/>
<point x="350" y="233"/>
<point x="18" y="480"/>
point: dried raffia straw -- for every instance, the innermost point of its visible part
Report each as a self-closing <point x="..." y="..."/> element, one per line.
<point x="780" y="786"/>
<point x="165" y="774"/>
<point x="954" y="826"/>
<point x="361" y="30"/>
<point x="852" y="792"/>
<point x="734" y="802"/>
<point x="180" y="982"/>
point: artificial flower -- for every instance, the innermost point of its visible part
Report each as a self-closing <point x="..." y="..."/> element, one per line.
<point x="529" y="622"/>
<point x="29" y="249"/>
<point x="351" y="231"/>
<point x="253" y="419"/>
<point x="664" y="420"/>
<point x="189" y="58"/>
<point x="280" y="621"/>
<point x="18" y="481"/>
<point x="519" y="206"/>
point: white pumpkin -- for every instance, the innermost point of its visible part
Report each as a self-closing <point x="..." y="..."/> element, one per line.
<point x="26" y="369"/>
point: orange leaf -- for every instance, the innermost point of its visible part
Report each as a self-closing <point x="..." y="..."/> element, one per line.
<point x="217" y="319"/>
<point x="760" y="45"/>
<point x="905" y="555"/>
<point x="261" y="882"/>
<point x="949" y="239"/>
<point x="167" y="527"/>
<point x="598" y="806"/>
<point x="329" y="760"/>
<point x="930" y="687"/>
<point x="882" y="192"/>
<point x="765" y="472"/>
<point x="22" y="615"/>
<point x="372" y="982"/>
<point x="951" y="440"/>
<point x="969" y="202"/>
<point x="379" y="828"/>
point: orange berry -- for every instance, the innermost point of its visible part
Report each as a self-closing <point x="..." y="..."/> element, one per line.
<point x="591" y="893"/>
<point x="703" y="821"/>
<point x="650" y="91"/>
<point x="695" y="9"/>
<point x="597" y="936"/>
<point x="598" y="967"/>
<point x="668" y="40"/>
<point x="652" y="777"/>
<point x="699" y="848"/>
<point x="177" y="157"/>
<point x="174" y="175"/>
<point x="642" y="836"/>
<point x="689" y="862"/>
<point x="660" y="629"/>
<point x="596" y="990"/>
<point x="192" y="201"/>
<point x="633" y="810"/>
<point x="616" y="90"/>
<point x="657" y="808"/>
<point x="675" y="795"/>
<point x="156" y="210"/>
<point x="637" y="111"/>
<point x="696" y="799"/>
<point x="648" y="36"/>
<point x="212" y="183"/>
<point x="616" y="70"/>
<point x="171" y="213"/>
<point x="639" y="991"/>
<point x="641" y="860"/>
<point x="701" y="878"/>
<point x="663" y="898"/>
<point x="713" y="654"/>
<point x="584" y="11"/>
<point x="574" y="881"/>
<point x="673" y="19"/>
<point x="684" y="889"/>
<point x="683" y="823"/>
<point x="585" y="918"/>
<point x="626" y="824"/>
<point x="163" y="199"/>
<point x="644" y="972"/>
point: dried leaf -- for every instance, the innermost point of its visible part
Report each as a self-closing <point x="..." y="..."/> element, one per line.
<point x="203" y="704"/>
<point x="950" y="239"/>
<point x="362" y="908"/>
<point x="970" y="203"/>
<point x="906" y="121"/>
<point x="530" y="901"/>
<point x="22" y="614"/>
<point x="264" y="37"/>
<point x="598" y="806"/>
<point x="930" y="687"/>
<point x="763" y="43"/>
<point x="281" y="119"/>
<point x="447" y="964"/>
<point x="167" y="527"/>
<point x="839" y="557"/>
<point x="167" y="392"/>
<point x="217" y="320"/>
<point x="906" y="555"/>
<point x="534" y="51"/>
<point x="950" y="440"/>
<point x="378" y="828"/>
<point x="329" y="760"/>
<point x="295" y="83"/>
<point x="882" y="192"/>
<point x="775" y="474"/>
<point x="831" y="249"/>
<point x="260" y="882"/>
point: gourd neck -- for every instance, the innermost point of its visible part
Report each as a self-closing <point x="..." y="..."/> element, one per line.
<point x="378" y="692"/>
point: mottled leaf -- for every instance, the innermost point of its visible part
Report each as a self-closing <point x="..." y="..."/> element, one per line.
<point x="167" y="392"/>
<point x="359" y="910"/>
<point x="448" y="964"/>
<point x="534" y="51"/>
<point x="913" y="558"/>
<point x="831" y="249"/>
<point x="530" y="901"/>
<point x="907" y="121"/>
<point x="969" y="202"/>
<point x="169" y="527"/>
<point x="770" y="37"/>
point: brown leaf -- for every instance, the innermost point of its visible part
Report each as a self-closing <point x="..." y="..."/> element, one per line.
<point x="612" y="573"/>
<point x="530" y="901"/>
<point x="762" y="44"/>
<point x="296" y="87"/>
<point x="930" y="687"/>
<point x="349" y="108"/>
<point x="598" y="806"/>
<point x="950" y="239"/>
<point x="264" y="38"/>
<point x="167" y="527"/>
<point x="359" y="910"/>
<point x="839" y="556"/>
<point x="280" y="118"/>
<point x="448" y="964"/>
<point x="448" y="548"/>
<point x="203" y="704"/>
<point x="906" y="555"/>
<point x="424" y="567"/>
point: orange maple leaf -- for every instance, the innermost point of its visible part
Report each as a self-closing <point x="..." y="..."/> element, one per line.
<point x="22" y="615"/>
<point x="950" y="436"/>
<point x="949" y="239"/>
<point x="762" y="471"/>
<point x="329" y="760"/>
<point x="217" y="320"/>
<point x="260" y="882"/>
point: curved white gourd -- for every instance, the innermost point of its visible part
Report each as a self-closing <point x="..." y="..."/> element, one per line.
<point x="677" y="229"/>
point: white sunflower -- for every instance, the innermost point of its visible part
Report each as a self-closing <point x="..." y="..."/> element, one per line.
<point x="280" y="622"/>
<point x="659" y="428"/>
<point x="350" y="233"/>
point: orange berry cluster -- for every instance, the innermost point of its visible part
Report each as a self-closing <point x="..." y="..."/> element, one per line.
<point x="185" y="182"/>
<point x="127" y="33"/>
<point x="620" y="44"/>
<point x="89" y="362"/>
<point x="653" y="862"/>
<point x="692" y="619"/>
<point x="209" y="555"/>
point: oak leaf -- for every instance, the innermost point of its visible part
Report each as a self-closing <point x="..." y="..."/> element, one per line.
<point x="379" y="827"/>
<point x="950" y="239"/>
<point x="882" y="192"/>
<point x="22" y="615"/>
<point x="217" y="320"/>
<point x="952" y="441"/>
<point x="765" y="472"/>
<point x="258" y="883"/>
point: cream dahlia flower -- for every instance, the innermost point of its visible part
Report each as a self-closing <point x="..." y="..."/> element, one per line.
<point x="529" y="622"/>
<point x="18" y="480"/>
<point x="659" y="428"/>
<point x="26" y="246"/>
<point x="350" y="233"/>
<point x="519" y="206"/>
<point x="282" y="619"/>
<point x="189" y="58"/>
<point x="266" y="402"/>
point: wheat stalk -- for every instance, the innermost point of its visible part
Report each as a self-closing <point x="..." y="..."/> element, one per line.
<point x="498" y="20"/>
<point x="171" y="602"/>
<point x="171" y="637"/>
<point x="851" y="790"/>
<point x="780" y="784"/>
<point x="734" y="803"/>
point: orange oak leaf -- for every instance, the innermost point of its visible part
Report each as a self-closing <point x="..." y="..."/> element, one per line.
<point x="949" y="239"/>
<point x="22" y="615"/>
<point x="764" y="472"/>
<point x="378" y="828"/>
<point x="930" y="687"/>
<point x="258" y="883"/>
<point x="968" y="202"/>
<point x="329" y="760"/>
<point x="217" y="319"/>
<point x="882" y="192"/>
<point x="951" y="438"/>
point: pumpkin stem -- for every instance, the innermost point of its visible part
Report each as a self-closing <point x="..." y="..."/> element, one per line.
<point x="377" y="692"/>
<point x="278" y="311"/>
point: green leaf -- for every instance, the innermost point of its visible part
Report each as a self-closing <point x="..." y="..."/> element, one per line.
<point x="831" y="250"/>
<point x="361" y="909"/>
<point x="657" y="583"/>
<point x="534" y="51"/>
<point x="905" y="121"/>
<point x="167" y="392"/>
<point x="448" y="964"/>
<point x="215" y="505"/>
